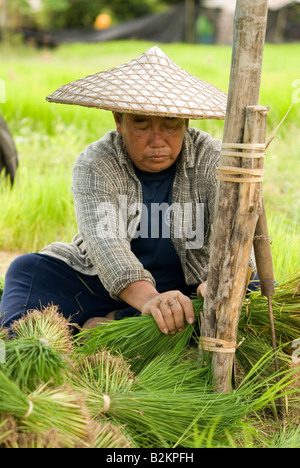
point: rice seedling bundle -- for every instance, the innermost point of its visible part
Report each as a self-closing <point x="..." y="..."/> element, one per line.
<point x="47" y="324"/>
<point x="31" y="361"/>
<point x="286" y="309"/>
<point x="136" y="338"/>
<point x="39" y="349"/>
<point x="253" y="348"/>
<point x="166" y="400"/>
<point x="129" y="385"/>
<point x="139" y="339"/>
<point x="45" y="409"/>
<point x="108" y="372"/>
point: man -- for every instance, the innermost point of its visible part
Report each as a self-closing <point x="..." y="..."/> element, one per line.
<point x="144" y="198"/>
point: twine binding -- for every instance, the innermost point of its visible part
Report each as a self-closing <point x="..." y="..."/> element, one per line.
<point x="106" y="401"/>
<point x="218" y="346"/>
<point x="29" y="411"/>
<point x="232" y="173"/>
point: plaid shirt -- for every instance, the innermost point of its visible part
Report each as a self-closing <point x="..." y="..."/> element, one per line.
<point x="102" y="176"/>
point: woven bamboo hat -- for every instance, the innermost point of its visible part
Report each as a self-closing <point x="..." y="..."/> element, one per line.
<point x="151" y="84"/>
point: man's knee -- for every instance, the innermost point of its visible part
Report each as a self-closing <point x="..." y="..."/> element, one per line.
<point x="19" y="265"/>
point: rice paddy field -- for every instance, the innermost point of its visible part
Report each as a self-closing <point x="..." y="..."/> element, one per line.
<point x="127" y="386"/>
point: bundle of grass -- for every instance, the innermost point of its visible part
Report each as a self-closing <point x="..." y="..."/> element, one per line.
<point x="40" y="349"/>
<point x="31" y="361"/>
<point x="136" y="338"/>
<point x="46" y="409"/>
<point x="169" y="371"/>
<point x="48" y="325"/>
<point x="139" y="339"/>
<point x="286" y="309"/>
<point x="164" y="404"/>
<point x="253" y="348"/>
<point x="99" y="376"/>
<point x="108" y="372"/>
<point x="254" y="324"/>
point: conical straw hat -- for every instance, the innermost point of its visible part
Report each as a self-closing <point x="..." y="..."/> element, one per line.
<point x="151" y="84"/>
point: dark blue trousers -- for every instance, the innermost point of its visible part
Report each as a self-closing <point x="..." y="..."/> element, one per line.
<point x="35" y="280"/>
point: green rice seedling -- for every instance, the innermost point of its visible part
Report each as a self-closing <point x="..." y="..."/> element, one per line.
<point x="48" y="325"/>
<point x="166" y="371"/>
<point x="253" y="348"/>
<point x="166" y="415"/>
<point x="139" y="339"/>
<point x="136" y="338"/>
<point x="286" y="310"/>
<point x="45" y="409"/>
<point x="99" y="376"/>
<point x="31" y="361"/>
<point x="254" y="324"/>
<point x="108" y="372"/>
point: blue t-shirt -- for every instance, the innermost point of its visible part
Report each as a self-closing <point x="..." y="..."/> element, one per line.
<point x="152" y="243"/>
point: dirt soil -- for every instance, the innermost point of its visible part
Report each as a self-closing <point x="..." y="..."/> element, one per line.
<point x="6" y="258"/>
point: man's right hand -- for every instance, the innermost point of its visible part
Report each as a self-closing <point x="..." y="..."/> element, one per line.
<point x="169" y="309"/>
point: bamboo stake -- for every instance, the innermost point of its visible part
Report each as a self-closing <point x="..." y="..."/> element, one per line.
<point x="237" y="205"/>
<point x="264" y="262"/>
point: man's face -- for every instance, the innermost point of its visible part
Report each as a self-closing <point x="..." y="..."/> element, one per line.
<point x="153" y="143"/>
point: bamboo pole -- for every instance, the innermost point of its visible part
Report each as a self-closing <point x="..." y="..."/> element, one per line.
<point x="237" y="204"/>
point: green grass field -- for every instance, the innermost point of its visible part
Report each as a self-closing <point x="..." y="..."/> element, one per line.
<point x="49" y="137"/>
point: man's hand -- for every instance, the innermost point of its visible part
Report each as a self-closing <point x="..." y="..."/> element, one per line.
<point x="170" y="310"/>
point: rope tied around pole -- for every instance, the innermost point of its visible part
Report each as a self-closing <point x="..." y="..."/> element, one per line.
<point x="218" y="346"/>
<point x="232" y="173"/>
